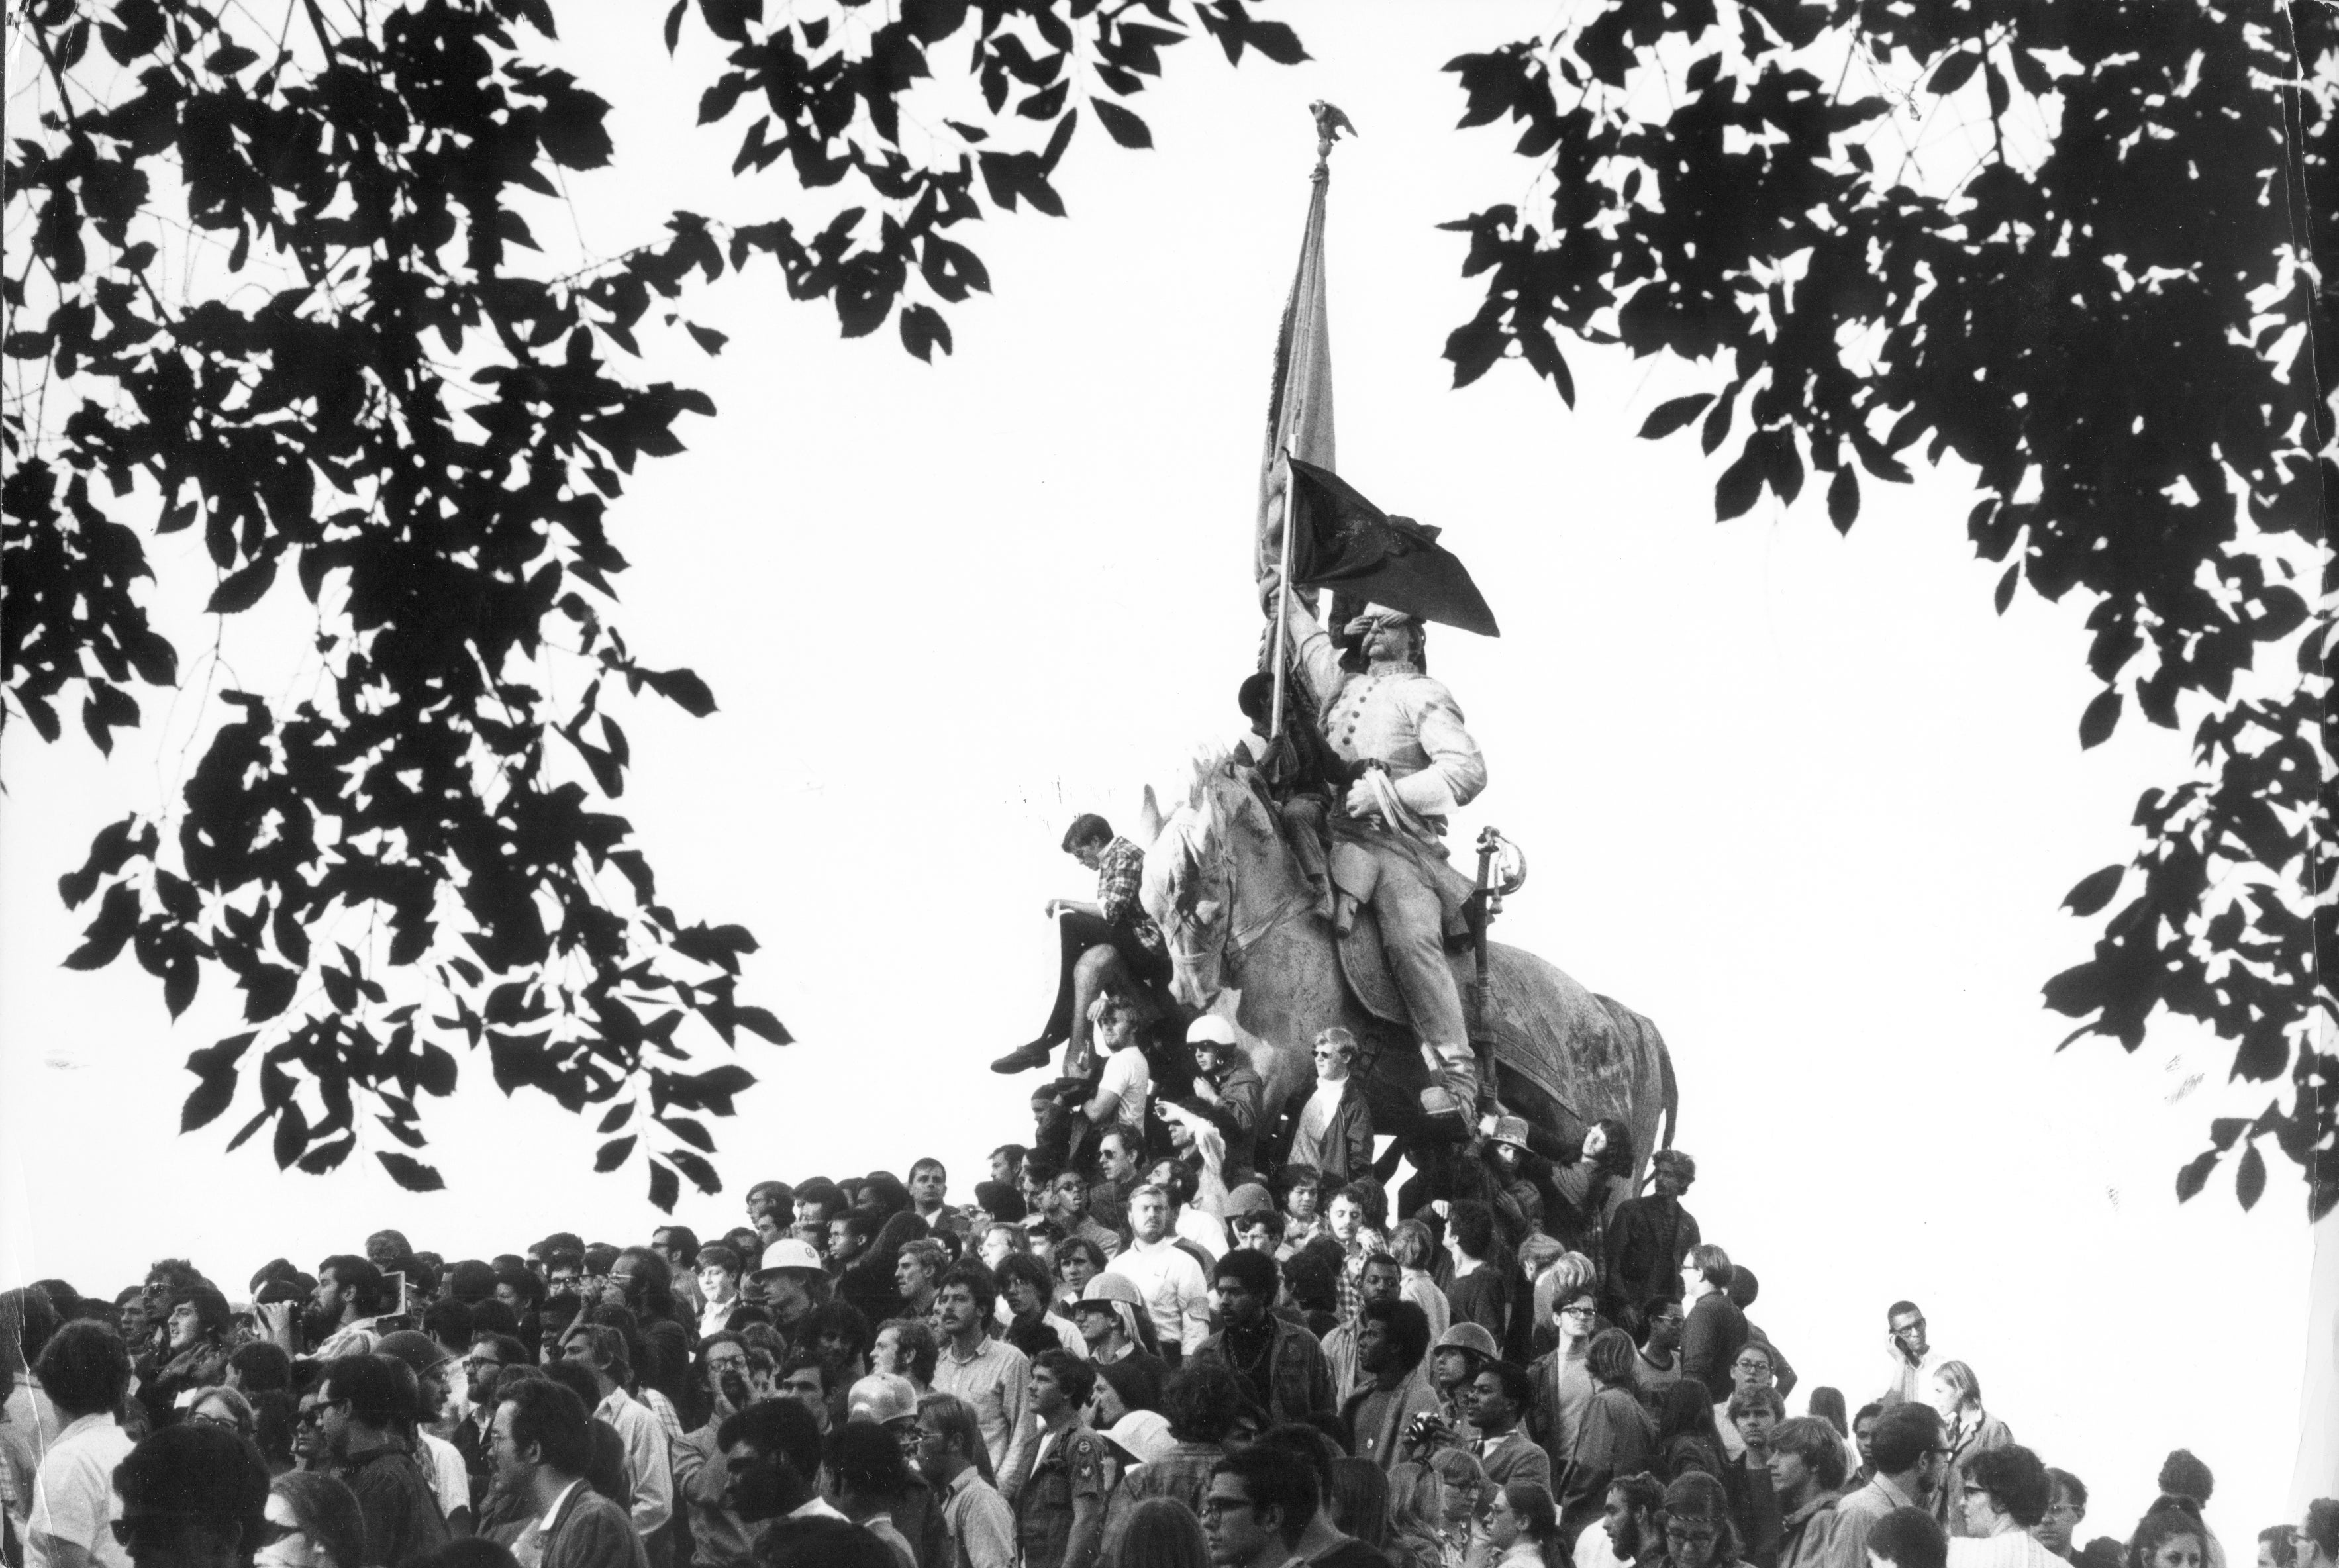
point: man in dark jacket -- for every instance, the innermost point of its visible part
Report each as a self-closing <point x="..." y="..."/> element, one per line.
<point x="362" y="1408"/>
<point x="1326" y="1123"/>
<point x="1228" y="1091"/>
<point x="1715" y="1328"/>
<point x="543" y="1446"/>
<point x="1647" y="1238"/>
<point x="1278" y="1362"/>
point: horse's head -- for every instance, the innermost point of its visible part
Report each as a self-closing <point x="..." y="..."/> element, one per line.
<point x="1216" y="877"/>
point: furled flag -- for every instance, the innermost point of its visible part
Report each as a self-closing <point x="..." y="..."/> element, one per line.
<point x="1299" y="408"/>
<point x="1341" y="541"/>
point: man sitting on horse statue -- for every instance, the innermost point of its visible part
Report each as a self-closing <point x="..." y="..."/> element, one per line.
<point x="1415" y="763"/>
<point x="1111" y="943"/>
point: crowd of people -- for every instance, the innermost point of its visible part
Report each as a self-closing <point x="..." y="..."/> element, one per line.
<point x="1188" y="1337"/>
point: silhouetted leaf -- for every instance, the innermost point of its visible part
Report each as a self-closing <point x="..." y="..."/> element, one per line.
<point x="1673" y="414"/>
<point x="2095" y="725"/>
<point x="1121" y="125"/>
<point x="239" y="590"/>
<point x="410" y="1173"/>
<point x="2094" y="891"/>
<point x="615" y="1153"/>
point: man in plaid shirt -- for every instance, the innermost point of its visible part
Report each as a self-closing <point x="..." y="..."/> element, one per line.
<point x="1109" y="943"/>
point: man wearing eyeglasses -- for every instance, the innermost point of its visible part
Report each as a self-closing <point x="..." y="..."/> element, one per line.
<point x="360" y="1410"/>
<point x="1327" y="1125"/>
<point x="1912" y="1358"/>
<point x="1258" y="1505"/>
<point x="474" y="1437"/>
<point x="1564" y="1387"/>
<point x="84" y="1369"/>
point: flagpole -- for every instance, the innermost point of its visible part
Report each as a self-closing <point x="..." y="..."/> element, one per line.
<point x="1282" y="597"/>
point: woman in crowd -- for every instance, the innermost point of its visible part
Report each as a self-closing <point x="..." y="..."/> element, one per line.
<point x="225" y="1408"/>
<point x="2168" y="1537"/>
<point x="1522" y="1531"/>
<point x="2003" y="1497"/>
<point x="1685" y="1440"/>
<point x="1416" y="1251"/>
<point x="313" y="1522"/>
<point x="1968" y="1430"/>
<point x="1163" y="1534"/>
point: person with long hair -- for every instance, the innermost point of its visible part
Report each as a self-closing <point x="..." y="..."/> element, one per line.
<point x="1416" y="1511"/>
<point x="1685" y="1439"/>
<point x="1416" y="1251"/>
<point x="223" y="1407"/>
<point x="197" y="1328"/>
<point x="2167" y="1537"/>
<point x="313" y="1522"/>
<point x="1521" y="1530"/>
<point x="1163" y="1532"/>
<point x="1359" y="1501"/>
<point x="1968" y="1431"/>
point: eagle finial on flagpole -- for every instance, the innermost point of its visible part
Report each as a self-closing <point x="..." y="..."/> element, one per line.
<point x="1329" y="123"/>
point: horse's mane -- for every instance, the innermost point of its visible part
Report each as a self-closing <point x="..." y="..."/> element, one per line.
<point x="1208" y="758"/>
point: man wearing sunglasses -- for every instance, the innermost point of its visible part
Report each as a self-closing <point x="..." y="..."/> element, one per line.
<point x="191" y="1496"/>
<point x="84" y="1369"/>
<point x="360" y="1410"/>
<point x="1325" y="1123"/>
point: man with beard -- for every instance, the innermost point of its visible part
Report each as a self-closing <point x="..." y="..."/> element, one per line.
<point x="1647" y="1240"/>
<point x="1630" y="1519"/>
<point x="362" y="1407"/>
<point x="340" y="1317"/>
<point x="474" y="1437"/>
<point x="1177" y="1296"/>
<point x="1278" y="1362"/>
<point x="988" y="1374"/>
<point x="543" y="1446"/>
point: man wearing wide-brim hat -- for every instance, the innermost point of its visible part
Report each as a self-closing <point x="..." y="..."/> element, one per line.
<point x="1416" y="763"/>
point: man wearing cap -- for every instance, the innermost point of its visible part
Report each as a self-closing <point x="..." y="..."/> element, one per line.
<point x="1454" y="1364"/>
<point x="1278" y="1362"/>
<point x="1227" y="1090"/>
<point x="791" y="1283"/>
<point x="889" y="1402"/>
<point x="1416" y="765"/>
<point x="1116" y="1327"/>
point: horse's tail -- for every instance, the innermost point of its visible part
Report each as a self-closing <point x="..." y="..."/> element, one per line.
<point x="1671" y="1092"/>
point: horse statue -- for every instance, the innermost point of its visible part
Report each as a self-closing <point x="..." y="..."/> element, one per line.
<point x="1240" y="917"/>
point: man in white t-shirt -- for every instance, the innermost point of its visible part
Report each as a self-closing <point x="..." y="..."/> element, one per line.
<point x="86" y="1371"/>
<point x="1123" y="1083"/>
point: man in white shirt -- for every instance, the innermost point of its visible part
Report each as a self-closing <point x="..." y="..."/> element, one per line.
<point x="1177" y="1296"/>
<point x="85" y="1371"/>
<point x="1125" y="1083"/>
<point x="602" y="1351"/>
<point x="1910" y="1357"/>
<point x="342" y="1309"/>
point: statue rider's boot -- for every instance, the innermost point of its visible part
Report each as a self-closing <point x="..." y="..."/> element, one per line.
<point x="1024" y="1057"/>
<point x="1489" y="1101"/>
<point x="1453" y="1082"/>
<point x="1344" y="912"/>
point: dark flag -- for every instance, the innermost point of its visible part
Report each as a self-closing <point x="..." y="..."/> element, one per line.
<point x="1343" y="542"/>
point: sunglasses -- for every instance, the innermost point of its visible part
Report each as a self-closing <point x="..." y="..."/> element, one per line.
<point x="127" y="1530"/>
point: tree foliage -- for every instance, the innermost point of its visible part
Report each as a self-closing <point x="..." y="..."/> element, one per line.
<point x="2105" y="298"/>
<point x="376" y="394"/>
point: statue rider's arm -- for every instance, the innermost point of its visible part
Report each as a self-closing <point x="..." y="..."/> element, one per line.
<point x="1456" y="771"/>
<point x="1312" y="652"/>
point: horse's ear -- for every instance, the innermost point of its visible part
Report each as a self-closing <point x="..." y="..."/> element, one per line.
<point x="1148" y="818"/>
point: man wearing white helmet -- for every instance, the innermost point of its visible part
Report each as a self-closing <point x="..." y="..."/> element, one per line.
<point x="1416" y="765"/>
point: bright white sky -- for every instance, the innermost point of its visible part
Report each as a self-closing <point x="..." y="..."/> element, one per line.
<point x="1802" y="799"/>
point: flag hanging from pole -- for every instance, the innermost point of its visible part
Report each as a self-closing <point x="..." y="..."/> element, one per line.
<point x="1341" y="541"/>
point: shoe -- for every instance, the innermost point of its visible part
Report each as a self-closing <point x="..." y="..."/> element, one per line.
<point x="1024" y="1057"/>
